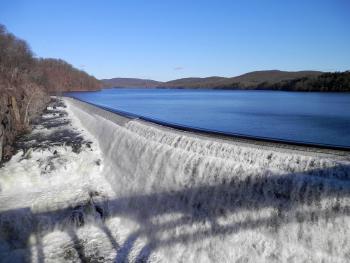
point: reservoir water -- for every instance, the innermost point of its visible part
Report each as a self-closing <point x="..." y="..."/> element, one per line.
<point x="319" y="118"/>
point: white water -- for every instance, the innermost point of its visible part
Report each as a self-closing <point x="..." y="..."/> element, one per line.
<point x="172" y="197"/>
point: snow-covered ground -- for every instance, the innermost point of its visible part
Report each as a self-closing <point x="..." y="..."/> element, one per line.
<point x="133" y="191"/>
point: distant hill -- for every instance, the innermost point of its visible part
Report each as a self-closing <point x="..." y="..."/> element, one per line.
<point x="263" y="80"/>
<point x="194" y="82"/>
<point x="255" y="78"/>
<point x="130" y="83"/>
<point x="248" y="80"/>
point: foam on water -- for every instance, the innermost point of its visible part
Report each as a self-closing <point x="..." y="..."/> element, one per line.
<point x="170" y="196"/>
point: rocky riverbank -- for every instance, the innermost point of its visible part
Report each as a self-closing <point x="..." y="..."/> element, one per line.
<point x="17" y="110"/>
<point x="51" y="184"/>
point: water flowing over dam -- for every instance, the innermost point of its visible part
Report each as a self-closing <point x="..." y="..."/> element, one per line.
<point x="162" y="195"/>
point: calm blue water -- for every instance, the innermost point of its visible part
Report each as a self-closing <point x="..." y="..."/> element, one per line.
<point x="322" y="118"/>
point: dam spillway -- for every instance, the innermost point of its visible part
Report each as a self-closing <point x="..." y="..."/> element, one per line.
<point x="173" y="196"/>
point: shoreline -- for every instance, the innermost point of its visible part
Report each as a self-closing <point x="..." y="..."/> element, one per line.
<point x="218" y="89"/>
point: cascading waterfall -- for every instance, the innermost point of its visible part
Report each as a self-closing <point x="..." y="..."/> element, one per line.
<point x="171" y="196"/>
<point x="213" y="192"/>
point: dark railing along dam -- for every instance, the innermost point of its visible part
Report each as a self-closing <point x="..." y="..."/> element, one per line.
<point x="164" y="195"/>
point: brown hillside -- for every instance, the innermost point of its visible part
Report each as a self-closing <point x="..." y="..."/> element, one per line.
<point x="129" y="83"/>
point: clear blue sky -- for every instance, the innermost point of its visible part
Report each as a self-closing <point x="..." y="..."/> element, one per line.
<point x="165" y="40"/>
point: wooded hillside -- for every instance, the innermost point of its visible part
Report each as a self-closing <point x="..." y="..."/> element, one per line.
<point x="327" y="82"/>
<point x="129" y="83"/>
<point x="60" y="76"/>
<point x="25" y="84"/>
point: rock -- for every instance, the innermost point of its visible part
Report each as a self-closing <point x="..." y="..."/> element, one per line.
<point x="1" y="140"/>
<point x="27" y="154"/>
<point x="8" y="151"/>
<point x="76" y="147"/>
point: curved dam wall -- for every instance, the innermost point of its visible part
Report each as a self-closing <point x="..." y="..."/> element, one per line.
<point x="195" y="199"/>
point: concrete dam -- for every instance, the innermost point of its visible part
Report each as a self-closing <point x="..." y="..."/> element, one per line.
<point x="163" y="195"/>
